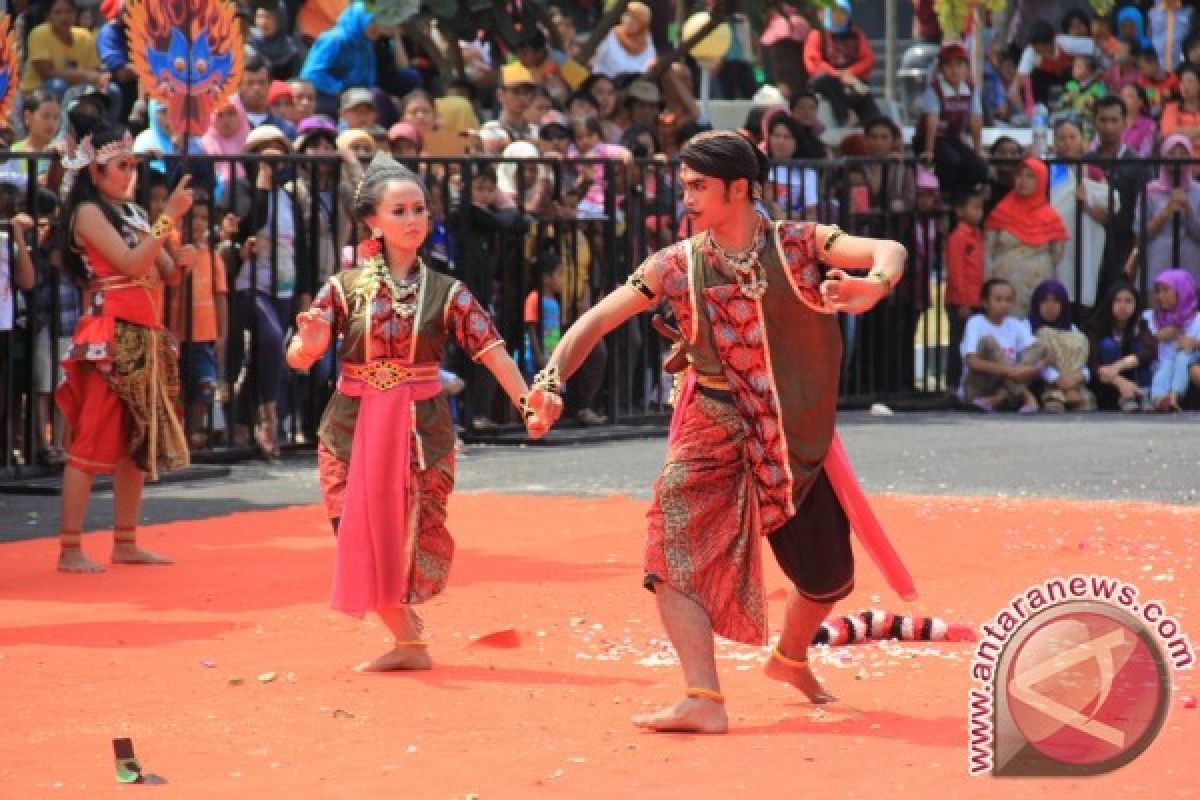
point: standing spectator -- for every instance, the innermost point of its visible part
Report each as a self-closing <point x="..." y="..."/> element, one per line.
<point x="59" y="54"/>
<point x="358" y="144"/>
<point x="42" y="116"/>
<point x="1064" y="350"/>
<point x="253" y="93"/>
<point x="543" y="318"/>
<point x="589" y="138"/>
<point x="643" y="104"/>
<point x="1127" y="176"/>
<point x="604" y="91"/>
<point x="838" y="60"/>
<point x="1169" y="24"/>
<point x="795" y="187"/>
<point x="515" y="94"/>
<point x="1191" y="47"/>
<point x="1160" y="85"/>
<point x="1078" y="190"/>
<point x="1025" y="236"/>
<point x="1176" y="325"/>
<point x="783" y="46"/>
<point x="1046" y="62"/>
<point x="1122" y="351"/>
<point x="1000" y="354"/>
<point x="227" y="137"/>
<point x="1171" y="209"/>
<point x="281" y="103"/>
<point x="1141" y="131"/>
<point x="964" y="278"/>
<point x="404" y="141"/>
<point x="541" y="103"/>
<point x="304" y="99"/>
<point x="270" y="38"/>
<point x="1001" y="103"/>
<point x="1182" y="116"/>
<point x="628" y="48"/>
<point x="357" y="110"/>
<point x="343" y="57"/>
<point x="891" y="189"/>
<point x="953" y="112"/>
<point x="334" y="196"/>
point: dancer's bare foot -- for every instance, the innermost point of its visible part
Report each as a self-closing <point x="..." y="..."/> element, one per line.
<point x="399" y="658"/>
<point x="72" y="559"/>
<point x="690" y="715"/>
<point x="801" y="676"/>
<point x="129" y="553"/>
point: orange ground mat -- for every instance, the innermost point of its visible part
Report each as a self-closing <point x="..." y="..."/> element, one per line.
<point x="171" y="657"/>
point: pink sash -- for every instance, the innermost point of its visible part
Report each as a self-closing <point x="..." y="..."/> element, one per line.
<point x="377" y="535"/>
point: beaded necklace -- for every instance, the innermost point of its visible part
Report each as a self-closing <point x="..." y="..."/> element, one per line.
<point x="744" y="264"/>
<point x="403" y="293"/>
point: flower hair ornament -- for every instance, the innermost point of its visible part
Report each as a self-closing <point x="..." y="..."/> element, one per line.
<point x="86" y="154"/>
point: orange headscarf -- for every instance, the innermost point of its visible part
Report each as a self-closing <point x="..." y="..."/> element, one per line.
<point x="1032" y="220"/>
<point x="635" y="44"/>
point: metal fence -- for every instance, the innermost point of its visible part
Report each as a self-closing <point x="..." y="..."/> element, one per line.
<point x="897" y="353"/>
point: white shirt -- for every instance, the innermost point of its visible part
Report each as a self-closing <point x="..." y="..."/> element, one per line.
<point x="612" y="60"/>
<point x="1071" y="45"/>
<point x="6" y="295"/>
<point x="1012" y="334"/>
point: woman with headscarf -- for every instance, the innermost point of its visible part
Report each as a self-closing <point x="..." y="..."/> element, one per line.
<point x="1064" y="350"/>
<point x="838" y="59"/>
<point x="1176" y="327"/>
<point x="271" y="39"/>
<point x="1172" y="203"/>
<point x="1131" y="28"/>
<point x="628" y="48"/>
<point x="1025" y="237"/>
<point x="1080" y="195"/>
<point x="159" y="140"/>
<point x="227" y="137"/>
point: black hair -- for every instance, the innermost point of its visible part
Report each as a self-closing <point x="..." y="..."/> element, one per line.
<point x="381" y="172"/>
<point x="1103" y="322"/>
<point x="1112" y="101"/>
<point x="1149" y="54"/>
<point x="1075" y="15"/>
<point x="592" y="80"/>
<point x="254" y="62"/>
<point x="1041" y="32"/>
<point x="726" y="156"/>
<point x="485" y="171"/>
<point x="689" y="130"/>
<point x="1071" y="120"/>
<point x="985" y="292"/>
<point x="532" y="38"/>
<point x="591" y="125"/>
<point x="83" y="191"/>
<point x="586" y="96"/>
<point x="961" y="199"/>
<point x="630" y="140"/>
<point x="807" y="143"/>
<point x="1187" y="68"/>
<point x="467" y="86"/>
<point x="415" y="94"/>
<point x="753" y="123"/>
<point x="38" y="97"/>
<point x="1003" y="140"/>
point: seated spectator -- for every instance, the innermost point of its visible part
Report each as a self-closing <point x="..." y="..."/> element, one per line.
<point x="1000" y="354"/>
<point x="318" y="137"/>
<point x="541" y="103"/>
<point x="806" y="108"/>
<point x="571" y="39"/>
<point x="735" y="74"/>
<point x="555" y="138"/>
<point x="643" y="103"/>
<point x="59" y="54"/>
<point x="1106" y="43"/>
<point x="1175" y="195"/>
<point x="1176" y="326"/>
<point x="628" y="47"/>
<point x="358" y="143"/>
<point x="557" y="74"/>
<point x="1046" y="63"/>
<point x="281" y="103"/>
<point x="357" y="110"/>
<point x="315" y="17"/>
<point x="304" y="99"/>
<point x="227" y="137"/>
<point x="1191" y="48"/>
<point x="455" y="117"/>
<point x="1078" y="101"/>
<point x="159" y="140"/>
<point x="112" y="48"/>
<point x="1123" y="69"/>
<point x="1122" y="351"/>
<point x="952" y="113"/>
<point x="1170" y="22"/>
<point x="339" y="59"/>
<point x="271" y="40"/>
<point x="1160" y="86"/>
<point x="964" y="278"/>
<point x="1182" y="116"/>
<point x="581" y="104"/>
<point x="1076" y="23"/>
<point x="533" y="192"/>
<point x="891" y="187"/>
<point x="1001" y="103"/>
<point x="782" y="41"/>
<point x="1065" y="372"/>
<point x="604" y="90"/>
<point x="1142" y="130"/>
<point x="1131" y="29"/>
<point x="794" y="189"/>
<point x="838" y="60"/>
<point x="404" y="141"/>
<point x="1078" y="190"/>
<point x="1025" y="237"/>
<point x="253" y="93"/>
<point x="514" y="95"/>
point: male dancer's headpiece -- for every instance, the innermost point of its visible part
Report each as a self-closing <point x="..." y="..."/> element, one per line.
<point x="727" y="156"/>
<point x="382" y="170"/>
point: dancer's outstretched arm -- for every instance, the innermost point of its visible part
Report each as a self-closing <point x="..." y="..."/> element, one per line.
<point x="884" y="258"/>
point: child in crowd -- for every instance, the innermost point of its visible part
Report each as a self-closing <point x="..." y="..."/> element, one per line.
<point x="1081" y="93"/>
<point x="1123" y="69"/>
<point x="589" y="139"/>
<point x="1159" y="85"/>
<point x="1122" y="350"/>
<point x="948" y="136"/>
<point x="964" y="278"/>
<point x="1001" y="355"/>
<point x="543" y="318"/>
<point x="202" y="348"/>
<point x="1176" y="325"/>
<point x="1064" y="349"/>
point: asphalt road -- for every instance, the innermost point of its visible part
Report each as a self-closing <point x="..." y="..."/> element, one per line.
<point x="1097" y="456"/>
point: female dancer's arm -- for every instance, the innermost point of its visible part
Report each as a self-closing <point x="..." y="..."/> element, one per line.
<point x="93" y="228"/>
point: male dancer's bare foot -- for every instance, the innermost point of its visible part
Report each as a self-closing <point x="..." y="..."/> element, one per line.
<point x="690" y="715"/>
<point x="128" y="553"/>
<point x="398" y="659"/>
<point x="72" y="559"/>
<point x="801" y="677"/>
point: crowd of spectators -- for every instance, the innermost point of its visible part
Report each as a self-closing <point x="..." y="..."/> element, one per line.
<point x="1010" y="231"/>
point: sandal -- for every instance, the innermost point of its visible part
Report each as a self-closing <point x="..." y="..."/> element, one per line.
<point x="1131" y="404"/>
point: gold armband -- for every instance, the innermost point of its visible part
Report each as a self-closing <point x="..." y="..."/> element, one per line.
<point x="163" y="227"/>
<point x="833" y="236"/>
<point x="638" y="283"/>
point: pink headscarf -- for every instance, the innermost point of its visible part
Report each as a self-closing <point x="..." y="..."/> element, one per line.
<point x="215" y="144"/>
<point x="1167" y="172"/>
<point x="1184" y="312"/>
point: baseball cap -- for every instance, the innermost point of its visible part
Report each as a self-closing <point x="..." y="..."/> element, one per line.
<point x="645" y="91"/>
<point x="357" y="97"/>
<point x="403" y="131"/>
<point x="516" y="74"/>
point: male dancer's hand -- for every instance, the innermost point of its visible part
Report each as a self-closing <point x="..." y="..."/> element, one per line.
<point x="851" y="295"/>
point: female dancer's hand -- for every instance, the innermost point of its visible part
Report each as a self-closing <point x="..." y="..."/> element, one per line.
<point x="180" y="201"/>
<point x="314" y="332"/>
<point x="547" y="407"/>
<point x="851" y="295"/>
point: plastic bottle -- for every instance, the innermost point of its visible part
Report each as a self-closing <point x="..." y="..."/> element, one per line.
<point x="1040" y="120"/>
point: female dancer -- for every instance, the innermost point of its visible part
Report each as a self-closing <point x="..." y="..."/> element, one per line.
<point x="122" y="377"/>
<point x="386" y="442"/>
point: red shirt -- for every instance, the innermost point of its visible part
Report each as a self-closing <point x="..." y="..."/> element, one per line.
<point x="964" y="266"/>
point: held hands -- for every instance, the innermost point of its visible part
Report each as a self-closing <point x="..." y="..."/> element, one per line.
<point x="852" y="295"/>
<point x="547" y="407"/>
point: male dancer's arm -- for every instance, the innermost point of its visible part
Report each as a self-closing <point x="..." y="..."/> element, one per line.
<point x="884" y="258"/>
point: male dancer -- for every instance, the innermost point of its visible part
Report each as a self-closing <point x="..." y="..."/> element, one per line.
<point x="753" y="423"/>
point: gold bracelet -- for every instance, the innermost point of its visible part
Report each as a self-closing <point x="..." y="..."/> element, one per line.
<point x="523" y="404"/>
<point x="882" y="277"/>
<point x="163" y="227"/>
<point x="548" y="380"/>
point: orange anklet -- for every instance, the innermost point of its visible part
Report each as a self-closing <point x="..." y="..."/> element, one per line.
<point x="788" y="662"/>
<point x="707" y="694"/>
<point x="125" y="535"/>
<point x="70" y="540"/>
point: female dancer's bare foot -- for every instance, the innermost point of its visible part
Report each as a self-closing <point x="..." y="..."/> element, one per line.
<point x="129" y="553"/>
<point x="802" y="678"/>
<point x="690" y="715"/>
<point x="72" y="559"/>
<point x="399" y="658"/>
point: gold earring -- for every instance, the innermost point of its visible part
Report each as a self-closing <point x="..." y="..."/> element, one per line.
<point x="376" y="233"/>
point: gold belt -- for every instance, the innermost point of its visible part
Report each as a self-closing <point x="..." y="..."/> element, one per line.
<point x="386" y="374"/>
<point x="717" y="382"/>
<point x="114" y="282"/>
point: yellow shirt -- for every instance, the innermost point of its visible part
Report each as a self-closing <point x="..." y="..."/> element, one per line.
<point x="45" y="46"/>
